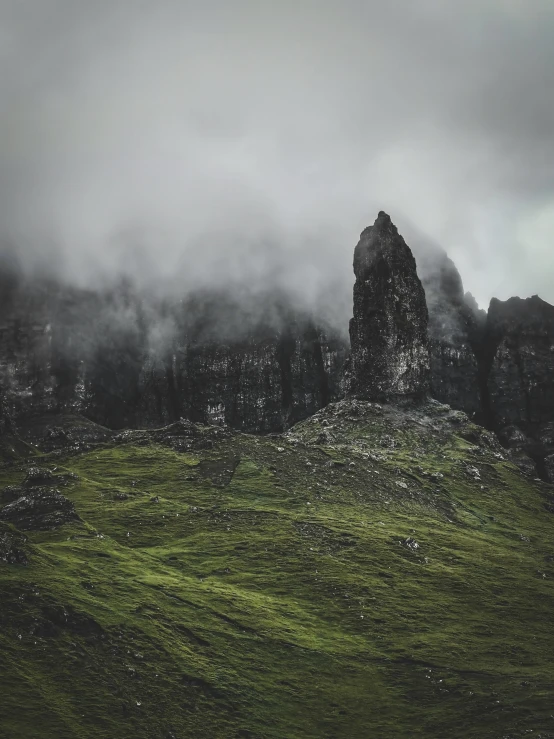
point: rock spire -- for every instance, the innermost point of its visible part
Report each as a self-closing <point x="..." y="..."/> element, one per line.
<point x="388" y="332"/>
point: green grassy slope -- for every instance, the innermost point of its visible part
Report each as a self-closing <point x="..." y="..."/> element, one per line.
<point x="373" y="573"/>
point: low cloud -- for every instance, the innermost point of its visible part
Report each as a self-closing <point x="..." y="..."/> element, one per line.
<point x="249" y="143"/>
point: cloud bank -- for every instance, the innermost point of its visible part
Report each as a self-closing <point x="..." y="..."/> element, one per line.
<point x="247" y="141"/>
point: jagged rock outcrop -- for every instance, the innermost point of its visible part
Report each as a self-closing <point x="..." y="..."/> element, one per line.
<point x="455" y="334"/>
<point x="388" y="331"/>
<point x="497" y="367"/>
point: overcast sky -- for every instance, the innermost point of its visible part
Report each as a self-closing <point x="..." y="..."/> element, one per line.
<point x="219" y="138"/>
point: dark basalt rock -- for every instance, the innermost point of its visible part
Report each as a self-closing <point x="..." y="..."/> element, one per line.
<point x="512" y="437"/>
<point x="519" y="448"/>
<point x="520" y="335"/>
<point x="261" y="374"/>
<point x="11" y="493"/>
<point x="388" y="332"/>
<point x="519" y="348"/>
<point x="187" y="436"/>
<point x="37" y="476"/>
<point x="39" y="509"/>
<point x="522" y="460"/>
<point x="125" y="360"/>
<point x="455" y="334"/>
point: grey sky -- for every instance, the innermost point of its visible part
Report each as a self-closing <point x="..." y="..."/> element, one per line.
<point x="216" y="139"/>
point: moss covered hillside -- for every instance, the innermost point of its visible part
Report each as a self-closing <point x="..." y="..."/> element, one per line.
<point x="376" y="572"/>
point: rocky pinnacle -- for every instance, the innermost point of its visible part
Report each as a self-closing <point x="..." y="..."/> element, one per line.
<point x="388" y="333"/>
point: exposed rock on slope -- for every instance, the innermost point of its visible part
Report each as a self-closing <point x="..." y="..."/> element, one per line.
<point x="388" y="332"/>
<point x="39" y="509"/>
<point x="403" y="563"/>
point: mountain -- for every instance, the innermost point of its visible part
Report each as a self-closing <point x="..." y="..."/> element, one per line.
<point x="256" y="362"/>
<point x="372" y="561"/>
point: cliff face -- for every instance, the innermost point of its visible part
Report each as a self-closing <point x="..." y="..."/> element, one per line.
<point x="520" y="337"/>
<point x="455" y="336"/>
<point x="388" y="332"/>
<point x="257" y="364"/>
<point x="498" y="366"/>
<point x="520" y="375"/>
<point x="126" y="362"/>
<point x="260" y="383"/>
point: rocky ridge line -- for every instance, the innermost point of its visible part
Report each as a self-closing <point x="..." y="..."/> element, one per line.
<point x="261" y="368"/>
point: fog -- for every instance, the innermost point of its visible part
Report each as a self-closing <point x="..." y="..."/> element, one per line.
<point x="248" y="143"/>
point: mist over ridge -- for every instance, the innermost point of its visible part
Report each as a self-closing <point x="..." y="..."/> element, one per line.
<point x="244" y="146"/>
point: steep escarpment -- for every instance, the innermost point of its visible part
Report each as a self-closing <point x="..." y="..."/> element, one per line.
<point x="255" y="362"/>
<point x="498" y="367"/>
<point x="456" y="328"/>
<point x="125" y="360"/>
<point x="521" y="353"/>
<point x="388" y="332"/>
<point x="520" y="362"/>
